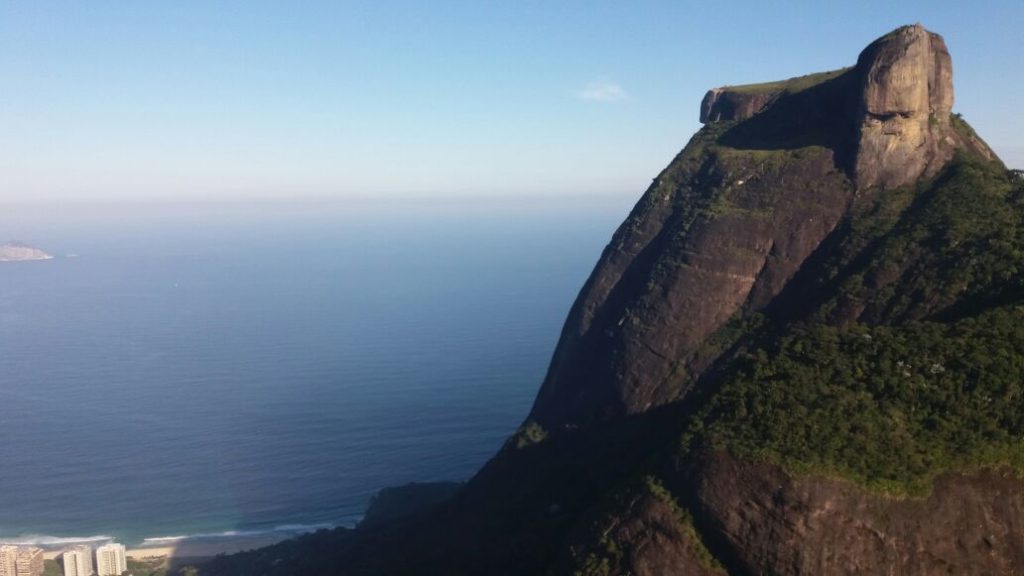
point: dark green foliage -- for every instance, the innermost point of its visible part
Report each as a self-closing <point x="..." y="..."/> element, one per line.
<point x="697" y="546"/>
<point x="887" y="407"/>
<point x="315" y="553"/>
<point x="397" y="502"/>
<point x="609" y="556"/>
<point x="958" y="246"/>
<point x="606" y="562"/>
<point x="149" y="567"/>
<point x="911" y="363"/>
<point x="528" y="434"/>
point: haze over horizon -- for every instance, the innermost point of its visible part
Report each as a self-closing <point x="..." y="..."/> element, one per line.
<point x="240" y="101"/>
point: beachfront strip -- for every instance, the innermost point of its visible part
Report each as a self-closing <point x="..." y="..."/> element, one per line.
<point x="110" y="560"/>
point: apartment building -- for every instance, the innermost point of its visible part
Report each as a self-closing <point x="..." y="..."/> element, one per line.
<point x="111" y="560"/>
<point x="21" y="561"/>
<point x="78" y="561"/>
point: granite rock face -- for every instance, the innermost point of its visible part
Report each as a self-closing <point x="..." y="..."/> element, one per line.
<point x="898" y="108"/>
<point x="724" y="105"/>
<point x="904" y="129"/>
<point x="704" y="242"/>
<point x="659" y="542"/>
<point x="768" y="522"/>
<point x="722" y="230"/>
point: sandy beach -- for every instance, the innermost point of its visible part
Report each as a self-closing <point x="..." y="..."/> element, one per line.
<point x="196" y="548"/>
<point x="206" y="547"/>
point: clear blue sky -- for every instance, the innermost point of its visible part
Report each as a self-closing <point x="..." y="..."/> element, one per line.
<point x="239" y="100"/>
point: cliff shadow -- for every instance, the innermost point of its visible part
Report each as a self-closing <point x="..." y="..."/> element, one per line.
<point x="847" y="252"/>
<point x="821" y="115"/>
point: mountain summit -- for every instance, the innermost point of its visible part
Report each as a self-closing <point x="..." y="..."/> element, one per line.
<point x="801" y="354"/>
<point x="900" y="98"/>
<point x="730" y="221"/>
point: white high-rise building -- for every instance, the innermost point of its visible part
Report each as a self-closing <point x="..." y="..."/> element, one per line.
<point x="78" y="561"/>
<point x="8" y="560"/>
<point x="21" y="561"/>
<point x="110" y="560"/>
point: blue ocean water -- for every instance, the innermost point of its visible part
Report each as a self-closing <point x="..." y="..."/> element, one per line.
<point x="201" y="369"/>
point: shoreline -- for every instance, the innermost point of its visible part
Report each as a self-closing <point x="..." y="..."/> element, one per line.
<point x="196" y="546"/>
<point x="191" y="548"/>
<point x="29" y="259"/>
<point x="202" y="548"/>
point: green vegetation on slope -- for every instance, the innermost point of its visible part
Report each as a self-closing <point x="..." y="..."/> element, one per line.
<point x="528" y="434"/>
<point x="699" y="549"/>
<point x="791" y="85"/>
<point x="956" y="248"/>
<point x="887" y="407"/>
<point x="609" y="555"/>
<point x="148" y="567"/>
<point x="914" y="365"/>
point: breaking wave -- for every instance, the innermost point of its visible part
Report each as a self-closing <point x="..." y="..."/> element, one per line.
<point x="283" y="530"/>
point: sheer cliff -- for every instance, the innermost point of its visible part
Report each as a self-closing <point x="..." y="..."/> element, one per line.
<point x="732" y="219"/>
<point x="801" y="353"/>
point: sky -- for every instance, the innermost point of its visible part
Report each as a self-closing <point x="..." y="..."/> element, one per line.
<point x="157" y="101"/>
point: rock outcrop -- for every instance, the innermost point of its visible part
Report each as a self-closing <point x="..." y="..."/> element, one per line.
<point x="710" y="237"/>
<point x="766" y="521"/>
<point x="725" y="105"/>
<point x="898" y="118"/>
<point x="734" y="103"/>
<point x="720" y="230"/>
<point x="904" y="128"/>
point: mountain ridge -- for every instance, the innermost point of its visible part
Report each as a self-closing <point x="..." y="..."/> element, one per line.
<point x="797" y="355"/>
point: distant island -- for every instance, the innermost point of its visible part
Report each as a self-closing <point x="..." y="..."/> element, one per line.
<point x="20" y="252"/>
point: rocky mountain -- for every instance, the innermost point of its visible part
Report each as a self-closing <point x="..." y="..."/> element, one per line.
<point x="19" y="252"/>
<point x="801" y="354"/>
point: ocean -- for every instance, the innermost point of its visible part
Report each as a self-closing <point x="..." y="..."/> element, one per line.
<point x="228" y="368"/>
